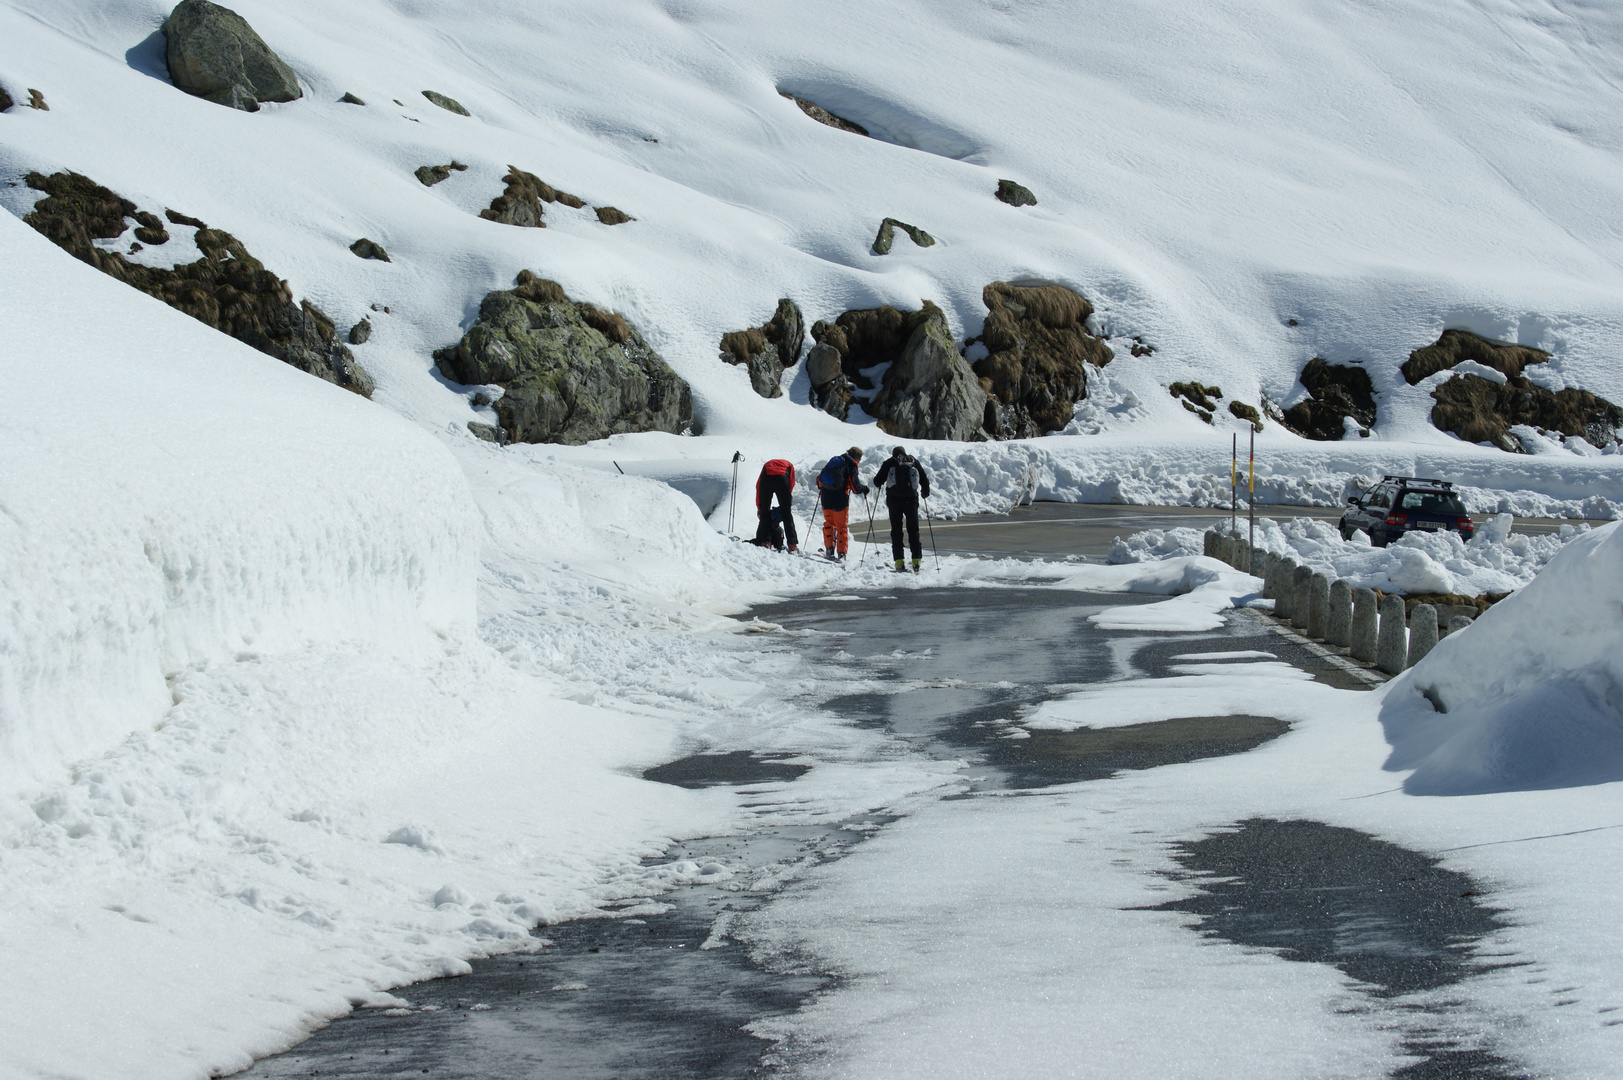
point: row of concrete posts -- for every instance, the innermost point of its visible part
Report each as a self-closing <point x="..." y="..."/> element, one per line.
<point x="1376" y="630"/>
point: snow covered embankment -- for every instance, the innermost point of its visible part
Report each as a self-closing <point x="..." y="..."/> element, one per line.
<point x="1531" y="696"/>
<point x="200" y="502"/>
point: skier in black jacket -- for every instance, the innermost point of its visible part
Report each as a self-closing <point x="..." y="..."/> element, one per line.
<point x="904" y="481"/>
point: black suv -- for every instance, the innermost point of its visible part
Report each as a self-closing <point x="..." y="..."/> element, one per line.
<point x="1401" y="503"/>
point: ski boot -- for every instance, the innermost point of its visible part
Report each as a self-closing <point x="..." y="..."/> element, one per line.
<point x="900" y="566"/>
<point x="917" y="564"/>
<point x="828" y="553"/>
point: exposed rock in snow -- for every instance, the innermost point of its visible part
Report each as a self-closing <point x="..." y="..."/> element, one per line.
<point x="610" y="215"/>
<point x="429" y="175"/>
<point x="823" y="116"/>
<point x="930" y="392"/>
<point x="213" y="53"/>
<point x="520" y="203"/>
<point x="228" y="288"/>
<point x="573" y="372"/>
<point x="768" y="349"/>
<point x="446" y="103"/>
<point x="369" y="249"/>
<point x="1456" y="346"/>
<point x="1038" y="348"/>
<point x="831" y="391"/>
<point x="1015" y="194"/>
<point x="1481" y="410"/>
<point x="361" y="332"/>
<point x="1197" y="397"/>
<point x="1340" y="392"/>
<point x="887" y="236"/>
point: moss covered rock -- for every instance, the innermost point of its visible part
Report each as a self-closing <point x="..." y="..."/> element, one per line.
<point x="1038" y="349"/>
<point x="213" y="53"/>
<point x="572" y="372"/>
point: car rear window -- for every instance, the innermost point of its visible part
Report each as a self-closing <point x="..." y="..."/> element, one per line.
<point x="1432" y="502"/>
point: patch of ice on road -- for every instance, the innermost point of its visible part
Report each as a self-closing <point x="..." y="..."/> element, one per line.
<point x="1238" y="654"/>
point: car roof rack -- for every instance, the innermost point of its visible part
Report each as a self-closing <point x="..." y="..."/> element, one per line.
<point x="1446" y="484"/>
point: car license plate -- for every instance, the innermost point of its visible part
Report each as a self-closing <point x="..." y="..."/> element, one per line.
<point x="1428" y="524"/>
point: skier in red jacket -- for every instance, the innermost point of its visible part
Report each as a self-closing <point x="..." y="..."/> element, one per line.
<point x="777" y="480"/>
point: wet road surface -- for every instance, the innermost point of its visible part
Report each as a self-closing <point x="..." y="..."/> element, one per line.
<point x="639" y="994"/>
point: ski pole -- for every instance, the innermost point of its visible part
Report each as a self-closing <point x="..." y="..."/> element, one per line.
<point x="931" y="524"/>
<point x="811" y="524"/>
<point x="732" y="496"/>
<point x="867" y="505"/>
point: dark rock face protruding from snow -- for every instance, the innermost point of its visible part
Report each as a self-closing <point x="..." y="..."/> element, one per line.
<point x="768" y="349"/>
<point x="572" y="372"/>
<point x="1455" y="347"/>
<point x="823" y="116"/>
<point x="926" y="389"/>
<point x="1479" y="409"/>
<point x="351" y="99"/>
<point x="429" y="175"/>
<point x="369" y="249"/>
<point x="1015" y="194"/>
<point x="446" y="103"/>
<point x="520" y="203"/>
<point x="5" y="100"/>
<point x="1038" y="349"/>
<point x="361" y="332"/>
<point x="831" y="391"/>
<point x="609" y="215"/>
<point x="228" y="288"/>
<point x="1339" y="392"/>
<point x="887" y="236"/>
<point x="213" y="53"/>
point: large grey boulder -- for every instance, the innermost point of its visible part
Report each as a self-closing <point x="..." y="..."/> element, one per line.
<point x="213" y="53"/>
<point x="572" y="372"/>
<point x="931" y="392"/>
<point x="831" y="391"/>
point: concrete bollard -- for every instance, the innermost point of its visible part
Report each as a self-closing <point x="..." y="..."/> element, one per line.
<point x="1246" y="555"/>
<point x="1392" y="646"/>
<point x="1209" y="544"/>
<point x="1265" y="570"/>
<point x="1282" y="590"/>
<point x="1318" y="606"/>
<point x="1422" y="632"/>
<point x="1338" y="625"/>
<point x="1364" y="625"/>
<point x="1456" y="624"/>
<point x="1299" y="596"/>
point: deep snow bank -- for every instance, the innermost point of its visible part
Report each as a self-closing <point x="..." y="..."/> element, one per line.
<point x="1531" y="696"/>
<point x="199" y="501"/>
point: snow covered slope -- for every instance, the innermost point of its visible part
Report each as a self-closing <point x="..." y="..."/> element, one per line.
<point x="1206" y="174"/>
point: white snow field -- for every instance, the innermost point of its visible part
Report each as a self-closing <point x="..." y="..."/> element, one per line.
<point x="304" y="697"/>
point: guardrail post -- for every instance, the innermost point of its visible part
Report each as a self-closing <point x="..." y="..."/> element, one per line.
<point x="1422" y="632"/>
<point x="1318" y="605"/>
<point x="1338" y="625"/>
<point x="1391" y="650"/>
<point x="1284" y="576"/>
<point x="1300" y="604"/>
<point x="1365" y="625"/>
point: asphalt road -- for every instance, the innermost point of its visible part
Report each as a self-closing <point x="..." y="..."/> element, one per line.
<point x="1059" y="530"/>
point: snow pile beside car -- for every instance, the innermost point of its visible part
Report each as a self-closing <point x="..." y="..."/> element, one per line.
<point x="1531" y="696"/>
<point x="1494" y="561"/>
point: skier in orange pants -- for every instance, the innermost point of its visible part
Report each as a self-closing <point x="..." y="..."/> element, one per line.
<point x="834" y="487"/>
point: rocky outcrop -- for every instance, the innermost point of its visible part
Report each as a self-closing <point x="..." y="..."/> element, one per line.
<point x="369" y="249"/>
<point x="768" y="349"/>
<point x="609" y="215"/>
<point x="1197" y="398"/>
<point x="1457" y="346"/>
<point x="36" y="100"/>
<point x="446" y="103"/>
<point x="1038" y="349"/>
<point x="520" y="203"/>
<point x="228" y="288"/>
<point x="930" y="391"/>
<point x="5" y="100"/>
<point x="214" y="54"/>
<point x="572" y="372"/>
<point x="361" y="332"/>
<point x="429" y="175"/>
<point x="831" y="391"/>
<point x="823" y="116"/>
<point x="1240" y="410"/>
<point x="887" y="236"/>
<point x="1339" y="392"/>
<point x="1483" y="410"/>
<point x="1015" y="194"/>
<point x="351" y="99"/>
<point x="904" y="369"/>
